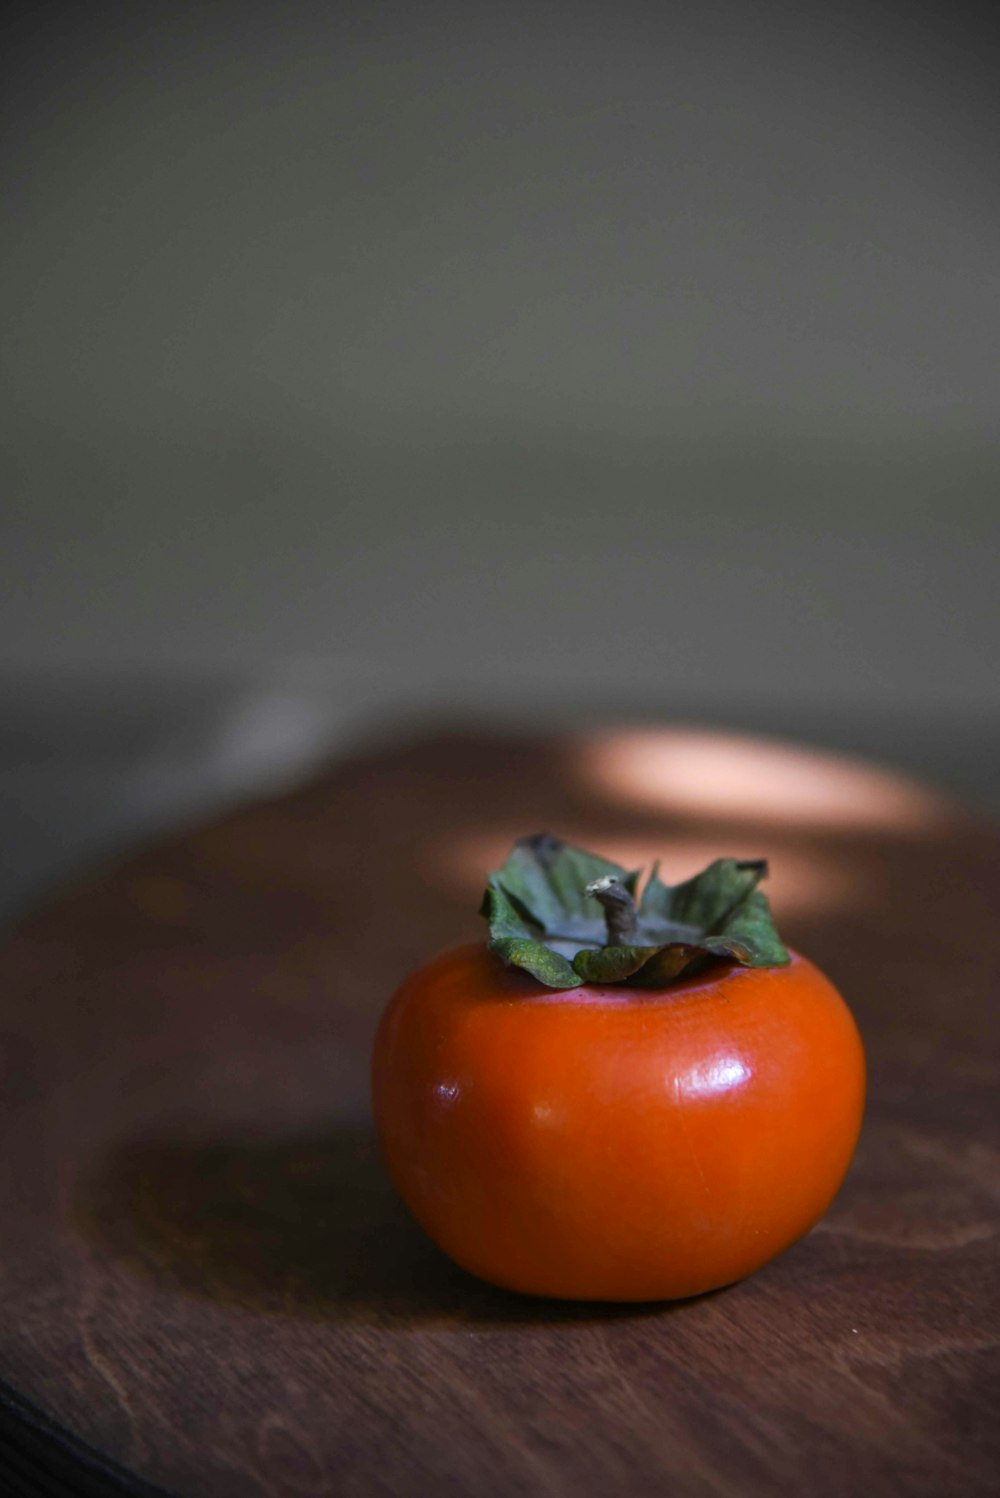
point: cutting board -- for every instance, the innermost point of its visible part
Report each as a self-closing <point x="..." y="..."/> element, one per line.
<point x="208" y="1286"/>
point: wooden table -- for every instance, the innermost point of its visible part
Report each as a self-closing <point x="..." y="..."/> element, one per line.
<point x="207" y="1283"/>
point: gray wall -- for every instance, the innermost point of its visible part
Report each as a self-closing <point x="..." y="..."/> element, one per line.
<point x="559" y="353"/>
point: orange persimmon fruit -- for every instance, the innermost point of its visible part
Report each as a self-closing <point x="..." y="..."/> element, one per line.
<point x="627" y="1140"/>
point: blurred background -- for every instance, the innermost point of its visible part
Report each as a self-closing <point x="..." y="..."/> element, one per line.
<point x="367" y="366"/>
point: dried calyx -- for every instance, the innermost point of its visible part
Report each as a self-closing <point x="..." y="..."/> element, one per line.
<point x="569" y="917"/>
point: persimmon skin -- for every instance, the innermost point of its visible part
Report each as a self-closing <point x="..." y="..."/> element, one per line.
<point x="616" y="1143"/>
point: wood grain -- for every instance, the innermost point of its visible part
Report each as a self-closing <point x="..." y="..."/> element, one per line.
<point x="205" y="1277"/>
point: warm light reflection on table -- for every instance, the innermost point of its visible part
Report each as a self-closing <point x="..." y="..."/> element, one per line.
<point x="700" y="794"/>
<point x="707" y="773"/>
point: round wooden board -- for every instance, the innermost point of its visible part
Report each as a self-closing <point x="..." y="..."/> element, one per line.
<point x="205" y="1277"/>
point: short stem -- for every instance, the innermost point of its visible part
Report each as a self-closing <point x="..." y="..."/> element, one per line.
<point x="620" y="915"/>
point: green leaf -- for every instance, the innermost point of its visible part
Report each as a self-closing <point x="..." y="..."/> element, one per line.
<point x="610" y="964"/>
<point x="517" y="939"/>
<point x="548" y="878"/>
<point x="542" y="918"/>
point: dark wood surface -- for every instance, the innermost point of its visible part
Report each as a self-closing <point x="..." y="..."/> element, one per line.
<point x="205" y="1277"/>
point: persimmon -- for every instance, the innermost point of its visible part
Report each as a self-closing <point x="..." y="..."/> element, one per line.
<point x="641" y="1112"/>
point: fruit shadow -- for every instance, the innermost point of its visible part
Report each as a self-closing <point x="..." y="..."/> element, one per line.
<point x="308" y="1227"/>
